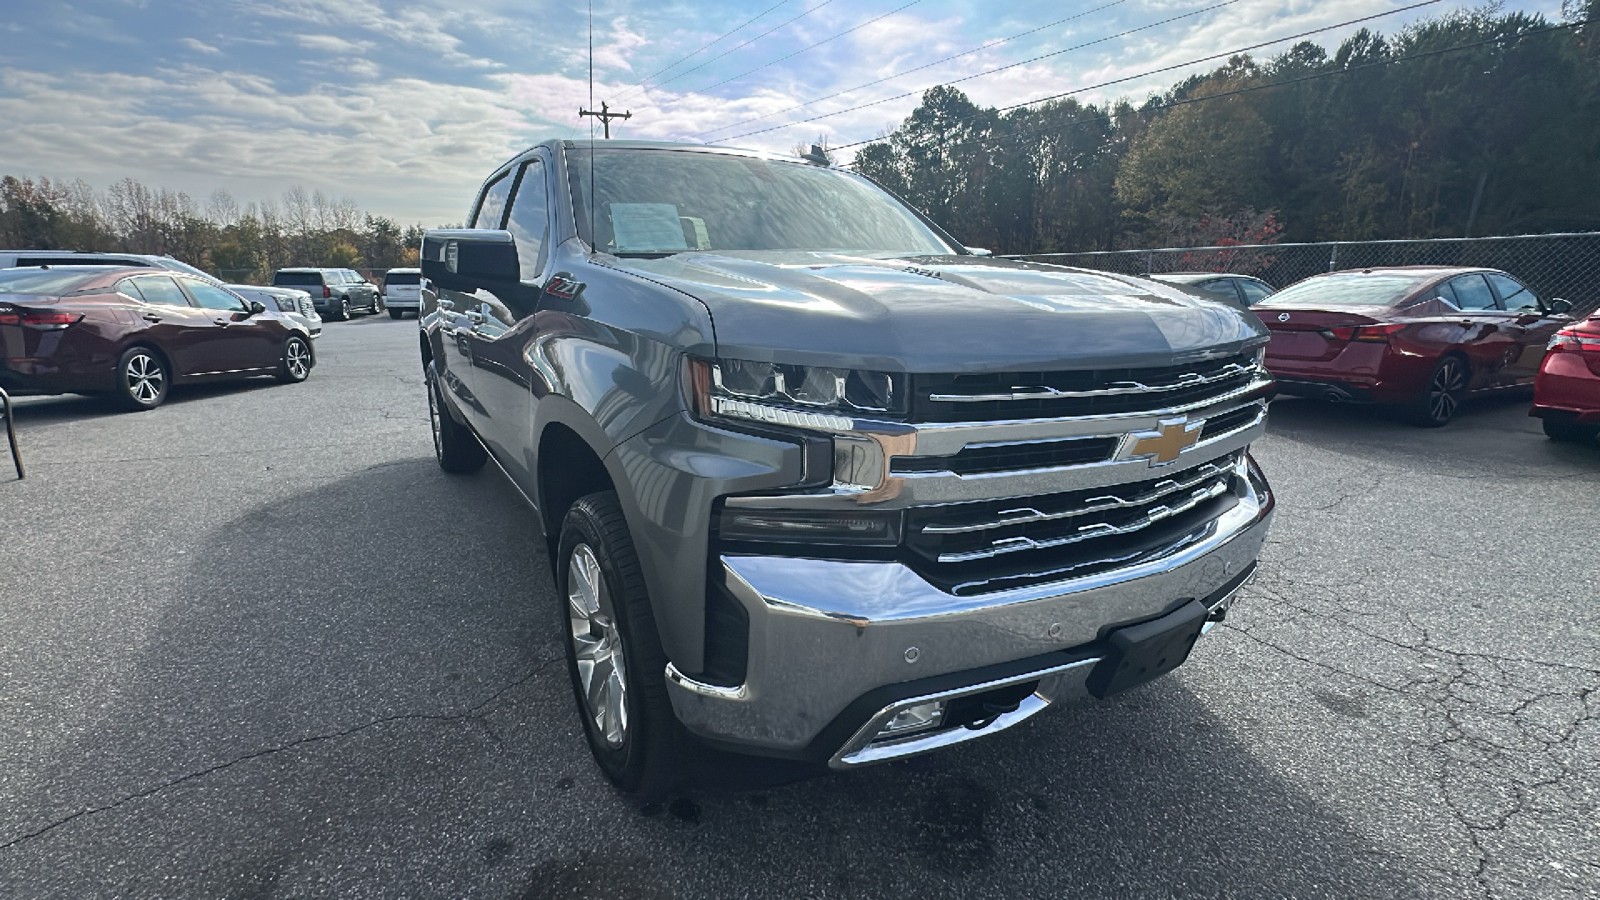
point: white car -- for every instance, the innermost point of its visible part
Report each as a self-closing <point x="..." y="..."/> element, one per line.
<point x="402" y="291"/>
<point x="294" y="303"/>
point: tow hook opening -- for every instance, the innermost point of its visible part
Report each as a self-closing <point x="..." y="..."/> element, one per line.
<point x="978" y="711"/>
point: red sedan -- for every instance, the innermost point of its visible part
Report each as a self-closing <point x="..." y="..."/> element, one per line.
<point x="1567" y="393"/>
<point x="1418" y="337"/>
<point x="134" y="332"/>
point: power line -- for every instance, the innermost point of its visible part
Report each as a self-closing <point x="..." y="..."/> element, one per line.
<point x="701" y="50"/>
<point x="989" y="46"/>
<point x="1182" y="65"/>
<point x="790" y="56"/>
<point x="840" y="112"/>
<point x="745" y="44"/>
<point x="1082" y="121"/>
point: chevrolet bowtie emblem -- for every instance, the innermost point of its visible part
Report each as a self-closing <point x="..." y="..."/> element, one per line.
<point x="1166" y="443"/>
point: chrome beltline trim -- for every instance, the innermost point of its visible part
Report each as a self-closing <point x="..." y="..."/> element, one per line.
<point x="1095" y="505"/>
<point x="1186" y="380"/>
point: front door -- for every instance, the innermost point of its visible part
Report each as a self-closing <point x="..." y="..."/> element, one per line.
<point x="1534" y="324"/>
<point x="504" y="328"/>
<point x="244" y="342"/>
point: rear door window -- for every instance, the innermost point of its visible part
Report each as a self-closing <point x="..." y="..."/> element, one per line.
<point x="127" y="288"/>
<point x="1472" y="292"/>
<point x="529" y="221"/>
<point x="1222" y="287"/>
<point x="1254" y="291"/>
<point x="161" y="290"/>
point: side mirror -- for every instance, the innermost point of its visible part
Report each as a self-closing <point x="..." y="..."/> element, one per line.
<point x="979" y="251"/>
<point x="256" y="307"/>
<point x="466" y="259"/>
<point x="1558" y="307"/>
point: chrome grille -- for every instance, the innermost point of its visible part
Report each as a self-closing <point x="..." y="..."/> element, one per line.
<point x="1024" y="395"/>
<point x="972" y="546"/>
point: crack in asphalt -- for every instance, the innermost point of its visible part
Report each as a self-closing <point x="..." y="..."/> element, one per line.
<point x="472" y="714"/>
<point x="1497" y="755"/>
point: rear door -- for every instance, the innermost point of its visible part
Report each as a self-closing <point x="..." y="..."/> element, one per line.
<point x="177" y="327"/>
<point x="1492" y="339"/>
<point x="242" y="342"/>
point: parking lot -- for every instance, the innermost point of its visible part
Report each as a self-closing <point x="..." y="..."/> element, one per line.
<point x="254" y="643"/>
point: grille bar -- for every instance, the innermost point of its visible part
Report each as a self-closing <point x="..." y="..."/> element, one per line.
<point x="1029" y="515"/>
<point x="1099" y="529"/>
<point x="1117" y="388"/>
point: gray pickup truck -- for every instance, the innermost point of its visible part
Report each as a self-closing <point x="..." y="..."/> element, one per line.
<point x="817" y="481"/>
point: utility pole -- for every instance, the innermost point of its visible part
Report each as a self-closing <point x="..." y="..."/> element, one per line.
<point x="605" y="115"/>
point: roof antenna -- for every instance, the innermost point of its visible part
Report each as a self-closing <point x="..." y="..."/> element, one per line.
<point x="817" y="156"/>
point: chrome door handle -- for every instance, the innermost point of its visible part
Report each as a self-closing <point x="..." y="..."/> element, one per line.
<point x="151" y="317"/>
<point x="223" y="322"/>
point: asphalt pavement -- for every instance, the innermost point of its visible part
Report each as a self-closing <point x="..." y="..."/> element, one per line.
<point x="255" y="644"/>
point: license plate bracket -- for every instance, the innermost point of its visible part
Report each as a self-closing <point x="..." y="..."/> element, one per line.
<point x="1147" y="650"/>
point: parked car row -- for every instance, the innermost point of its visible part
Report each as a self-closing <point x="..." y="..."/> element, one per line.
<point x="1423" y="339"/>
<point x="132" y="332"/>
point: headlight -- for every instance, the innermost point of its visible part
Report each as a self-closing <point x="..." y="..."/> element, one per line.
<point x="783" y="394"/>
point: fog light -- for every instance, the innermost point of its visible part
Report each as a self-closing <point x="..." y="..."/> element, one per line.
<point x="914" y="718"/>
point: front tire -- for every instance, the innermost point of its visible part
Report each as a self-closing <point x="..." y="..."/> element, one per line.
<point x="143" y="379"/>
<point x="1441" y="398"/>
<point x="457" y="451"/>
<point x="614" y="655"/>
<point x="295" y="365"/>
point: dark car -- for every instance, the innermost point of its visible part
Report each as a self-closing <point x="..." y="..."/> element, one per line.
<point x="1244" y="290"/>
<point x="133" y="333"/>
<point x="336" y="293"/>
<point x="1567" y="393"/>
<point x="817" y="481"/>
<point x="1414" y="336"/>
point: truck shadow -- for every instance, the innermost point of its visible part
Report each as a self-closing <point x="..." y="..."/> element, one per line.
<point x="397" y="714"/>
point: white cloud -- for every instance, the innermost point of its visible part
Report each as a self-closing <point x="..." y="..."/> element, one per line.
<point x="199" y="46"/>
<point x="328" y="43"/>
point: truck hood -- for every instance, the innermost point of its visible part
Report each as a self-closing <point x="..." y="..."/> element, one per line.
<point x="945" y="313"/>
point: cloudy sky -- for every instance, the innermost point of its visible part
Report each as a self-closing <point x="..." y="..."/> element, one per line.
<point x="404" y="107"/>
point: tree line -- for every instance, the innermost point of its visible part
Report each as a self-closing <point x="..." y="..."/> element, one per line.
<point x="237" y="243"/>
<point x="1474" y="123"/>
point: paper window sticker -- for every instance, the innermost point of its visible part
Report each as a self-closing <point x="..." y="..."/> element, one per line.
<point x="646" y="227"/>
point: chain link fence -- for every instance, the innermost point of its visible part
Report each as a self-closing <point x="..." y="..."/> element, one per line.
<point x="1554" y="265"/>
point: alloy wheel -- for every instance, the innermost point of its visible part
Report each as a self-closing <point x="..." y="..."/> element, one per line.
<point x="1444" y="391"/>
<point x="297" y="358"/>
<point x="145" y="378"/>
<point x="433" y="416"/>
<point x="597" y="646"/>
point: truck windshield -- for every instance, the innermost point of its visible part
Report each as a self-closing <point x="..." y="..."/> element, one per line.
<point x="654" y="202"/>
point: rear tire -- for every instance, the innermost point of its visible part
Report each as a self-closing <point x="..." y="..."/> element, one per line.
<point x="341" y="313"/>
<point x="143" y="379"/>
<point x="614" y="654"/>
<point x="457" y="450"/>
<point x="295" y="364"/>
<point x="396" y="313"/>
<point x="1442" y="394"/>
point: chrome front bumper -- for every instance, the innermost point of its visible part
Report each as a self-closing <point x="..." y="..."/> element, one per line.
<point x="823" y="634"/>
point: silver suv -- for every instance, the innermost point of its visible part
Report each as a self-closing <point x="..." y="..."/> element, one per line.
<point x="337" y="293"/>
<point x="817" y="481"/>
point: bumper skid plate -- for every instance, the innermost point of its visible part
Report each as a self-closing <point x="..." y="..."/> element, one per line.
<point x="1148" y="650"/>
